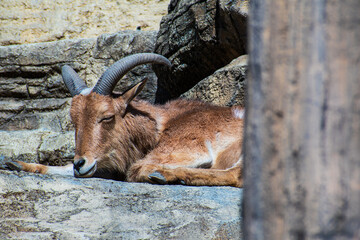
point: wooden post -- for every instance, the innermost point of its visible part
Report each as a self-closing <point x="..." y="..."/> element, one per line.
<point x="302" y="148"/>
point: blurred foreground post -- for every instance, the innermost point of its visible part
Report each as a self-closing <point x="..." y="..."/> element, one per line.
<point x="302" y="149"/>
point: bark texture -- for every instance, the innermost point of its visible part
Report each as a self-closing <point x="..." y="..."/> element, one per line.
<point x="302" y="164"/>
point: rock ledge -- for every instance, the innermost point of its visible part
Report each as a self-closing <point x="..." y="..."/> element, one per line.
<point x="36" y="206"/>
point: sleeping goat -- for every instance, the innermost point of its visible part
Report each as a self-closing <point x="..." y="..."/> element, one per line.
<point x="118" y="136"/>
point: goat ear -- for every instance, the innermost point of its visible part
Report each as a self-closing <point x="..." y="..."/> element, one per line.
<point x="130" y="94"/>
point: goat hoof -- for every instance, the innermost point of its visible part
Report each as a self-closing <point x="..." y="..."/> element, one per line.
<point x="157" y="177"/>
<point x="14" y="166"/>
<point x="3" y="166"/>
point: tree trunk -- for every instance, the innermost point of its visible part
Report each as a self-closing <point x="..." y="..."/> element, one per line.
<point x="302" y="149"/>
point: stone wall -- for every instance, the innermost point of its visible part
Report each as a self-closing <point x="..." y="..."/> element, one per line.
<point x="27" y="21"/>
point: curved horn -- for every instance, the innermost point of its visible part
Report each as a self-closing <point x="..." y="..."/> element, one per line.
<point x="115" y="72"/>
<point x="72" y="80"/>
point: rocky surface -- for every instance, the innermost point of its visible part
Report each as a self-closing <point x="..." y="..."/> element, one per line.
<point x="53" y="207"/>
<point x="27" y="21"/>
<point x="225" y="87"/>
<point x="33" y="70"/>
<point x="199" y="37"/>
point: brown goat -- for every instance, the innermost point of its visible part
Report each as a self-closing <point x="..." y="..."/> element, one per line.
<point x="121" y="137"/>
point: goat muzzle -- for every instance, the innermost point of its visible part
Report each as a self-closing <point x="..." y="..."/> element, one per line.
<point x="84" y="168"/>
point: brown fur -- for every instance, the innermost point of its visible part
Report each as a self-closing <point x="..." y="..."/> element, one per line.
<point x="187" y="142"/>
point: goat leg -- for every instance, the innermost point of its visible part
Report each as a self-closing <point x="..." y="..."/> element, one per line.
<point x="39" y="168"/>
<point x="198" y="177"/>
<point x="161" y="174"/>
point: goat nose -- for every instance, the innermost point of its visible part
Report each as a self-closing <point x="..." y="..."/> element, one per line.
<point x="79" y="163"/>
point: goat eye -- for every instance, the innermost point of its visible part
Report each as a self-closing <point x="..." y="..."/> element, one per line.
<point x="107" y="119"/>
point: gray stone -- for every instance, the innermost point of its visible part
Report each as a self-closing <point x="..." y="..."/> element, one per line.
<point x="199" y="37"/>
<point x="225" y="87"/>
<point x="53" y="207"/>
<point x="37" y="130"/>
<point x="33" y="70"/>
<point x="38" y="146"/>
<point x="50" y="114"/>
